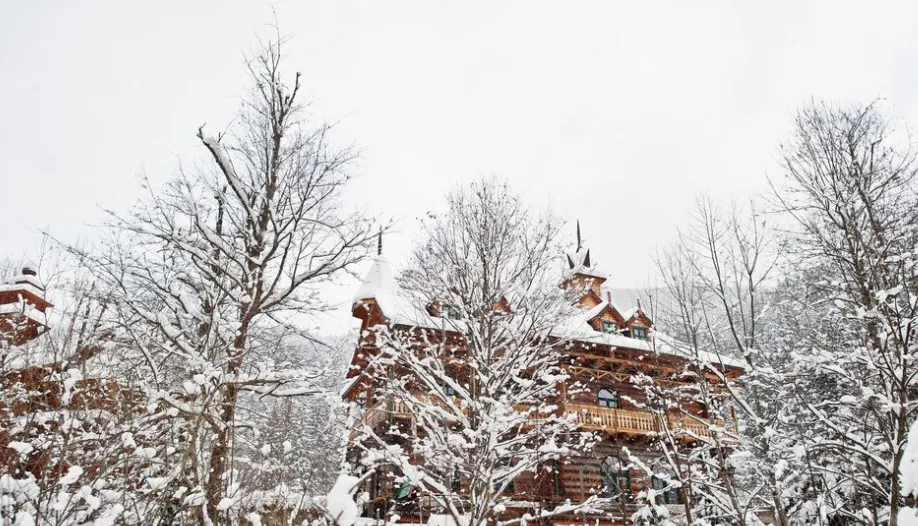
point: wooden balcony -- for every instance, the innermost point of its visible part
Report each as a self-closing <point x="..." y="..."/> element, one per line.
<point x="383" y="412"/>
<point x="631" y="422"/>
<point x="589" y="417"/>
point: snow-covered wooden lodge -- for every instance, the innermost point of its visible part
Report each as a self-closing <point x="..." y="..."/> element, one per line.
<point x="610" y="347"/>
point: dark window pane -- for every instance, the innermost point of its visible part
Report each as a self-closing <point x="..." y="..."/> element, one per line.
<point x="457" y="480"/>
<point x="669" y="494"/>
<point x="608" y="398"/>
<point x="616" y="480"/>
<point x="556" y="477"/>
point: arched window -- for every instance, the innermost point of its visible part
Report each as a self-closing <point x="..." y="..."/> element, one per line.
<point x="616" y="481"/>
<point x="608" y="398"/>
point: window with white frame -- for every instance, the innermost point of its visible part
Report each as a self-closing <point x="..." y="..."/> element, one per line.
<point x="608" y="327"/>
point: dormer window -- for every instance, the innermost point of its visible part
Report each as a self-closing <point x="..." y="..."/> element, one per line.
<point x="608" y="327"/>
<point x="639" y="333"/>
<point x="450" y="312"/>
<point x="444" y="310"/>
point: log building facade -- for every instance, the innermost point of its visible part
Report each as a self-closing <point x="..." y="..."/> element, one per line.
<point x="606" y="402"/>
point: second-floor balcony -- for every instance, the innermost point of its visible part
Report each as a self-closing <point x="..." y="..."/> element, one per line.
<point x="595" y="418"/>
<point x="632" y="422"/>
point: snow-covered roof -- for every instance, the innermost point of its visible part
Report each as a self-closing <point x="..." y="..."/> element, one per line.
<point x="380" y="286"/>
<point x="26" y="310"/>
<point x="597" y="310"/>
<point x="580" y="262"/>
<point x="669" y="345"/>
<point x="634" y="311"/>
<point x="23" y="286"/>
<point x="578" y="330"/>
<point x="26" y="281"/>
<point x="400" y="310"/>
<point x="378" y="283"/>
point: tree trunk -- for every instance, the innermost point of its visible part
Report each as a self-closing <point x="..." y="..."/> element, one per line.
<point x="220" y="455"/>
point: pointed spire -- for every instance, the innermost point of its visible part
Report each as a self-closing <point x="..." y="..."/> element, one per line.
<point x="378" y="281"/>
<point x="581" y="261"/>
<point x="579" y="244"/>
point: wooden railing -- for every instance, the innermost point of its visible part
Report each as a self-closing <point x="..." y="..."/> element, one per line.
<point x="381" y="412"/>
<point x="636" y="422"/>
<point x="589" y="417"/>
<point x="601" y="418"/>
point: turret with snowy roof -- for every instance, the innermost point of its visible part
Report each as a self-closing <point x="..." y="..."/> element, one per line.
<point x="601" y="312"/>
<point x="375" y="293"/>
<point x="583" y="271"/>
<point x="23" y="307"/>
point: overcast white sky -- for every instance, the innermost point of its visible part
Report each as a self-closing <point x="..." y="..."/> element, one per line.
<point x="615" y="112"/>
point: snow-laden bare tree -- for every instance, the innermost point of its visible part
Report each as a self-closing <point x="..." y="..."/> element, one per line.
<point x="716" y="278"/>
<point x="294" y="449"/>
<point x="479" y="371"/>
<point x="211" y="271"/>
<point x="850" y="188"/>
<point x="828" y="392"/>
